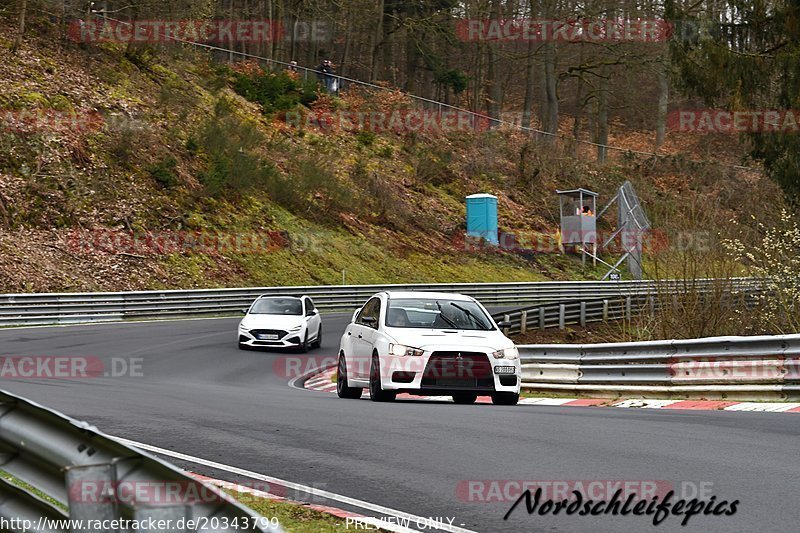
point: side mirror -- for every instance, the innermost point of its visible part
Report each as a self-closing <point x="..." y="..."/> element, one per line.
<point x="245" y="310"/>
<point x="503" y="324"/>
<point x="371" y="321"/>
<point x="312" y="312"/>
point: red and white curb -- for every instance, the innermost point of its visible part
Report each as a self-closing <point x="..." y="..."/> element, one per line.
<point x="322" y="382"/>
<point x="334" y="511"/>
<point x="386" y="518"/>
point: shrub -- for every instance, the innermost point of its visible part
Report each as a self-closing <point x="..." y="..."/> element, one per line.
<point x="776" y="261"/>
<point x="275" y="92"/>
<point x="230" y="144"/>
<point x="366" y="138"/>
<point x="164" y="172"/>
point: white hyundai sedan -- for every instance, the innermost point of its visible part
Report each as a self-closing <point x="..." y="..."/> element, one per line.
<point x="431" y="344"/>
<point x="281" y="322"/>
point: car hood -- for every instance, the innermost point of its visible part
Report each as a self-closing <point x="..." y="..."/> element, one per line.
<point x="426" y="339"/>
<point x="282" y="322"/>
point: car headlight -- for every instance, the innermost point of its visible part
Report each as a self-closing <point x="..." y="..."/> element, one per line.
<point x="404" y="351"/>
<point x="242" y="328"/>
<point x="296" y="328"/>
<point x="508" y="353"/>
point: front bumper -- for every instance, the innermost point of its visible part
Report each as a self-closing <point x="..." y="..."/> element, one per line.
<point x="447" y="371"/>
<point x="286" y="339"/>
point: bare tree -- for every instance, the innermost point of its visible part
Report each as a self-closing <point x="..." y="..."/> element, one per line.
<point x="23" y="12"/>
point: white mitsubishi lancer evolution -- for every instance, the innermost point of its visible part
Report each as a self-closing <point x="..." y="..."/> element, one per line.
<point x="425" y="343"/>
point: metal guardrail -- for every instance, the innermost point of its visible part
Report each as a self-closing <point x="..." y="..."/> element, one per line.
<point x="573" y="312"/>
<point x="754" y="368"/>
<point x="65" y="308"/>
<point x="84" y="471"/>
<point x="583" y="312"/>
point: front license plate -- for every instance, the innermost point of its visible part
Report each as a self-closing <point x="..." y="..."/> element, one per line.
<point x="504" y="370"/>
<point x="268" y="337"/>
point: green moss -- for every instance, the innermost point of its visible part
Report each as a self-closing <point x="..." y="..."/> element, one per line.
<point x="295" y="518"/>
<point x="36" y="492"/>
<point x="60" y="102"/>
<point x="31" y="100"/>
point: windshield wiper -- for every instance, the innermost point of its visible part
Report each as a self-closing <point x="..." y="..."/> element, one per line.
<point x="441" y="314"/>
<point x="472" y="316"/>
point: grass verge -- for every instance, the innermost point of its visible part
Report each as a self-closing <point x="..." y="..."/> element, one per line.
<point x="293" y="517"/>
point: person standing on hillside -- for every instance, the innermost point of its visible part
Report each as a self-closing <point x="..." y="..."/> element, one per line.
<point x="292" y="70"/>
<point x="327" y="76"/>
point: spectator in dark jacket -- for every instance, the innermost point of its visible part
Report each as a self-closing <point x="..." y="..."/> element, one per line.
<point x="327" y="76"/>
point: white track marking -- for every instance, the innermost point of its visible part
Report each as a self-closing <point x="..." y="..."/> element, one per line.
<point x="294" y="486"/>
<point x="646" y="404"/>
<point x="546" y="401"/>
<point x="762" y="406"/>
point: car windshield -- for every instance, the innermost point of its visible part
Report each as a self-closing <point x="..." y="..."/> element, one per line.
<point x="436" y="314"/>
<point x="277" y="306"/>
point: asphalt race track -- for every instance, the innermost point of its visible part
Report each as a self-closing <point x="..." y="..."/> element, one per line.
<point x="199" y="395"/>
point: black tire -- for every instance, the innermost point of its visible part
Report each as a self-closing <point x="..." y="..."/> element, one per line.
<point x="376" y="392"/>
<point x="318" y="341"/>
<point x="342" y="390"/>
<point x="304" y="347"/>
<point x="465" y="398"/>
<point x="505" y="398"/>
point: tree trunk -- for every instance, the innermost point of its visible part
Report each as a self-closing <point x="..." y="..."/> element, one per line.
<point x="527" y="105"/>
<point x="345" y="60"/>
<point x="551" y="91"/>
<point x="602" y="118"/>
<point x="663" y="104"/>
<point x="378" y="41"/>
<point x="576" y="126"/>
<point x="23" y="12"/>
<point x="494" y="92"/>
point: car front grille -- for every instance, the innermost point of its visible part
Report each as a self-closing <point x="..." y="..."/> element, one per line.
<point x="458" y="370"/>
<point x="259" y="333"/>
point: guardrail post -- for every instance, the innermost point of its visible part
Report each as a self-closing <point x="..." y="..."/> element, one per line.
<point x="523" y="327"/>
<point x="95" y="480"/>
<point x="562" y="318"/>
<point x="628" y="308"/>
<point x="583" y="314"/>
<point x="507" y="319"/>
<point x="541" y="318"/>
<point x="651" y="301"/>
<point x="605" y="310"/>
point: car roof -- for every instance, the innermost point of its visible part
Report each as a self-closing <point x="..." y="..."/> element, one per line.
<point x="281" y="296"/>
<point x="424" y="295"/>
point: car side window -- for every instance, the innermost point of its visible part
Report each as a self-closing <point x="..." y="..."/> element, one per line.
<point x="377" y="313"/>
<point x="362" y="313"/>
<point x="370" y="309"/>
<point x="309" y="305"/>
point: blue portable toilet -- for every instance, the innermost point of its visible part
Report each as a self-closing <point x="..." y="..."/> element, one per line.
<point x="482" y="217"/>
